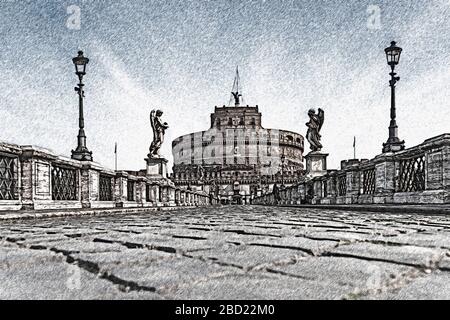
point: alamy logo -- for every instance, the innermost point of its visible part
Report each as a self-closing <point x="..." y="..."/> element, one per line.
<point x="74" y="20"/>
<point x="74" y="277"/>
<point x="374" y="18"/>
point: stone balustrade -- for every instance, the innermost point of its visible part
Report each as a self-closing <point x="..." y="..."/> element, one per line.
<point x="420" y="174"/>
<point x="36" y="178"/>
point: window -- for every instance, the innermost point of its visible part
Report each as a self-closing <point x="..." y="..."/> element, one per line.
<point x="64" y="183"/>
<point x="105" y="190"/>
<point x="130" y="190"/>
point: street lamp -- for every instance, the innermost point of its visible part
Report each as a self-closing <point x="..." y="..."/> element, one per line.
<point x="283" y="158"/>
<point x="393" y="57"/>
<point x="81" y="152"/>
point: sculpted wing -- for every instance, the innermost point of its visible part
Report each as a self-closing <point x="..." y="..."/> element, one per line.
<point x="321" y="116"/>
<point x="152" y="122"/>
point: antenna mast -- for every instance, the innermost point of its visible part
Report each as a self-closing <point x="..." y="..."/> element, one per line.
<point x="236" y="93"/>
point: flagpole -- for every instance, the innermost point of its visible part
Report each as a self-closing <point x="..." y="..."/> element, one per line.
<point x="354" y="147"/>
<point x="115" y="156"/>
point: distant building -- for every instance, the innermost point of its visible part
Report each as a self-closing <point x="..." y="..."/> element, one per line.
<point x="236" y="158"/>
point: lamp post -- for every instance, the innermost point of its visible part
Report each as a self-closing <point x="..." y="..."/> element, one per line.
<point x="393" y="143"/>
<point x="81" y="152"/>
<point x="283" y="158"/>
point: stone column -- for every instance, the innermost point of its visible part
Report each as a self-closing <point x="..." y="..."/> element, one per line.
<point x="120" y="188"/>
<point x="90" y="177"/>
<point x="353" y="184"/>
<point x="384" y="178"/>
<point x="189" y="198"/>
<point x="35" y="176"/>
<point x="195" y="199"/>
<point x="317" y="187"/>
<point x="182" y="197"/>
<point x="164" y="196"/>
<point x="332" y="187"/>
<point x="171" y="196"/>
<point x="140" y="191"/>
<point x="155" y="194"/>
<point x="437" y="162"/>
<point x="177" y="197"/>
<point x="85" y="185"/>
<point x="301" y="190"/>
<point x="26" y="181"/>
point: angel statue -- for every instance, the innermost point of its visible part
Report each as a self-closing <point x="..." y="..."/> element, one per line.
<point x="236" y="96"/>
<point x="314" y="125"/>
<point x="159" y="129"/>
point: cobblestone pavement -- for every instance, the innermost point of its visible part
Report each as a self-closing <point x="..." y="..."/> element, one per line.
<point x="234" y="252"/>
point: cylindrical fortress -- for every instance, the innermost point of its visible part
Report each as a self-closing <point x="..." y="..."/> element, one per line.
<point x="237" y="155"/>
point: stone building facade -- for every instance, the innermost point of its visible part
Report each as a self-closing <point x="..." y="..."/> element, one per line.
<point x="236" y="158"/>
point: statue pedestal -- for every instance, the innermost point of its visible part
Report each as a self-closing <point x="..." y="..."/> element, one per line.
<point x="316" y="164"/>
<point x="156" y="168"/>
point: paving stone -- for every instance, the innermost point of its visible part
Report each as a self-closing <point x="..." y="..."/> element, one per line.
<point x="410" y="255"/>
<point x="73" y="245"/>
<point x="157" y="269"/>
<point x="232" y="252"/>
<point x="435" y="240"/>
<point x="355" y="273"/>
<point x="249" y="256"/>
<point x="41" y="274"/>
<point x="435" y="286"/>
<point x="445" y="262"/>
<point x="258" y="286"/>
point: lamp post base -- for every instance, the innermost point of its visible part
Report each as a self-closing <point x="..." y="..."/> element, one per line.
<point x="82" y="155"/>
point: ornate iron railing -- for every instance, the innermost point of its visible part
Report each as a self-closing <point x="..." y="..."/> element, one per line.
<point x="368" y="181"/>
<point x="8" y="178"/>
<point x="64" y="183"/>
<point x="411" y="174"/>
<point x="105" y="188"/>
<point x="342" y="185"/>
<point x="130" y="190"/>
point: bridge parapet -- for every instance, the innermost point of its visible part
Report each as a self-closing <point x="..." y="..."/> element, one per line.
<point x="420" y="174"/>
<point x="36" y="178"/>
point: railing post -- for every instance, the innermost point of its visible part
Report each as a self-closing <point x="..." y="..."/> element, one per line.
<point x="300" y="193"/>
<point x="438" y="163"/>
<point x="183" y="197"/>
<point x="353" y="184"/>
<point x="317" y="190"/>
<point x="171" y="195"/>
<point x="89" y="182"/>
<point x="156" y="198"/>
<point x="384" y="178"/>
<point x="120" y="188"/>
<point x="140" y="191"/>
<point x="329" y="187"/>
<point x="26" y="180"/>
